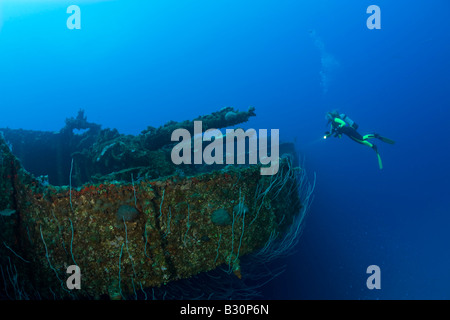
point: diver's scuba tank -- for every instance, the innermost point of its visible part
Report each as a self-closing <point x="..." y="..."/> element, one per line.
<point x="349" y="121"/>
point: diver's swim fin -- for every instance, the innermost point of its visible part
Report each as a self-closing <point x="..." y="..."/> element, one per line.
<point x="384" y="139"/>
<point x="380" y="164"/>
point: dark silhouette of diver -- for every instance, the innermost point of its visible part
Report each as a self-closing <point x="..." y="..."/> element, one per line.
<point x="342" y="124"/>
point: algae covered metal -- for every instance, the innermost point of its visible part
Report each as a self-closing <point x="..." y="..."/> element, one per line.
<point x="127" y="218"/>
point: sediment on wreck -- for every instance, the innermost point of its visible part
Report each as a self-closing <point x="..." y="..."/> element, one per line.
<point x="128" y="235"/>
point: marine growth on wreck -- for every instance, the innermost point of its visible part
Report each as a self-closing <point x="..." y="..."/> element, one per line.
<point x="116" y="208"/>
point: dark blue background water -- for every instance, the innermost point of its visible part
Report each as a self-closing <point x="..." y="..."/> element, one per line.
<point x="140" y="63"/>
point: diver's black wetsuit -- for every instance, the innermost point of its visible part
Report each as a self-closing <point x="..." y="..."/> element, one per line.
<point x="351" y="133"/>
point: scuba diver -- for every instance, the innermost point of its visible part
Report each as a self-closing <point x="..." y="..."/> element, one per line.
<point x="342" y="124"/>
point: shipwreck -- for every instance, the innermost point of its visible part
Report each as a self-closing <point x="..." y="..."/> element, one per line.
<point x="116" y="207"/>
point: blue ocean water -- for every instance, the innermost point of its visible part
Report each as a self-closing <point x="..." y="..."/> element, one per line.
<point x="139" y="63"/>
